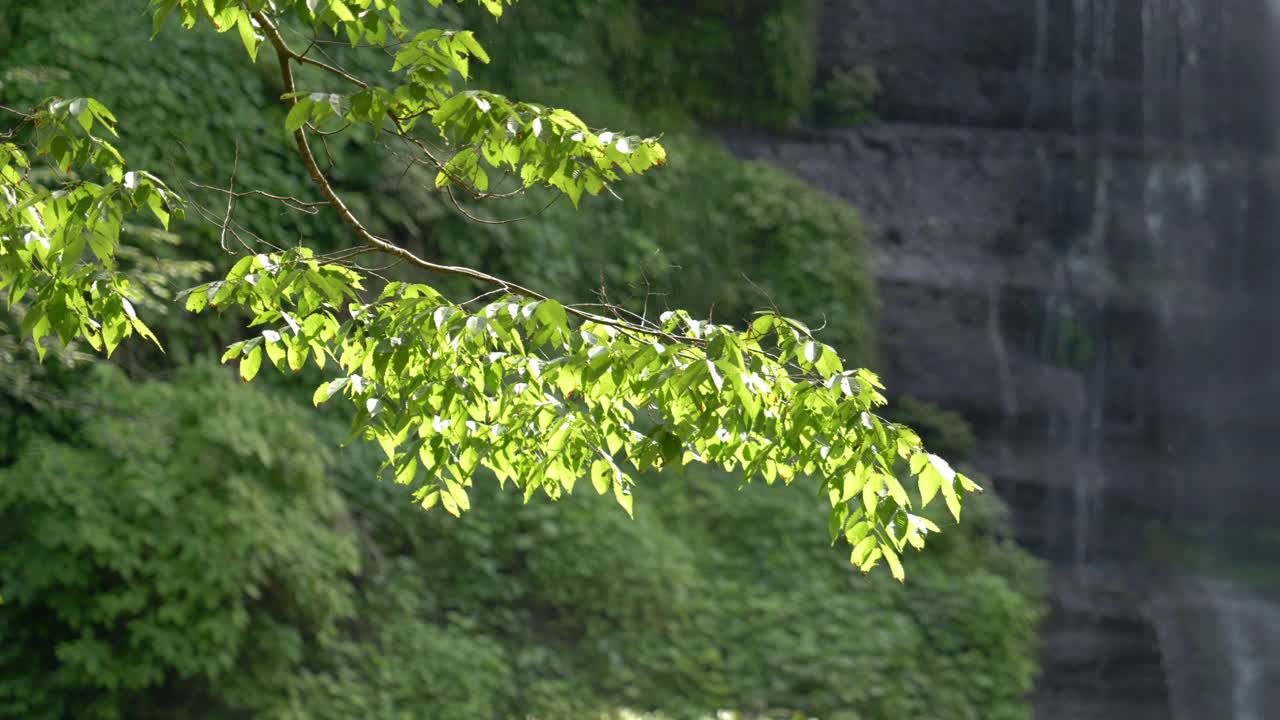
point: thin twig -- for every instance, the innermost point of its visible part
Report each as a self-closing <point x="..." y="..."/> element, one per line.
<point x="326" y="133"/>
<point x="19" y="113"/>
<point x="231" y="199"/>
<point x="482" y="221"/>
<point x="308" y="207"/>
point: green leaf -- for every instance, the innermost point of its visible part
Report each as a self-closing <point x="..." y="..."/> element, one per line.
<point x="896" y="490"/>
<point x="601" y="476"/>
<point x="458" y="495"/>
<point x="298" y="114"/>
<point x="870" y="496"/>
<point x="918" y="462"/>
<point x="812" y="351"/>
<point x="861" y="551"/>
<point x="953" y="501"/>
<point x="234" y="351"/>
<point x="943" y="468"/>
<point x="850" y="486"/>
<point x="406" y="473"/>
<point x="929" y="482"/>
<point x="247" y="35"/>
<point x="340" y="9"/>
<point x="320" y="395"/>
<point x="197" y="300"/>
<point x="828" y="363"/>
<point x="251" y="363"/>
<point x="468" y="40"/>
<point x="623" y="496"/>
<point x="163" y="9"/>
<point x="762" y="325"/>
<point x="895" y="565"/>
<point x="275" y="350"/>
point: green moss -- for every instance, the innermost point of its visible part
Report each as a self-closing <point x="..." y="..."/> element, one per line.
<point x="846" y="95"/>
<point x="944" y="432"/>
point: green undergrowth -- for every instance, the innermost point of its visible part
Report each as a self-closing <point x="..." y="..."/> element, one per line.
<point x="199" y="548"/>
<point x="186" y="547"/>
<point x="711" y="233"/>
<point x="735" y="63"/>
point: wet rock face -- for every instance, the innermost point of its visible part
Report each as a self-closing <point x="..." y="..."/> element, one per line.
<point x="1059" y="64"/>
<point x="1102" y="658"/>
<point x="939" y="62"/>
<point x="927" y="190"/>
<point x="1073" y="210"/>
<point x="1009" y="261"/>
<point x="952" y="210"/>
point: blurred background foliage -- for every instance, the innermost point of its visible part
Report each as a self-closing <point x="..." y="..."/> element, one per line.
<point x="175" y="545"/>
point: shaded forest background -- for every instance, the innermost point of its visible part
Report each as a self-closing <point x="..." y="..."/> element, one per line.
<point x="174" y="544"/>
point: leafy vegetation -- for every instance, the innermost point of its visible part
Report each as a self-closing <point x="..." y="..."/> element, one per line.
<point x="713" y="598"/>
<point x="761" y="235"/>
<point x="744" y="63"/>
<point x="944" y="430"/>
<point x="196" y="559"/>
<point x="515" y="386"/>
<point x="846" y="96"/>
<point x="278" y="581"/>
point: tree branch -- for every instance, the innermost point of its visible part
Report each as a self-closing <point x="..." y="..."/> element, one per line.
<point x="284" y="56"/>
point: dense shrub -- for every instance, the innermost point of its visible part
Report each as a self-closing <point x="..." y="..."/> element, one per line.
<point x="739" y="63"/>
<point x="200" y="547"/>
<point x="185" y="547"/>
<point x="192" y="548"/>
<point x="717" y="597"/>
<point x="846" y="96"/>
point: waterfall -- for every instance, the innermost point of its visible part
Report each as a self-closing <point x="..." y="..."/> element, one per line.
<point x="1008" y="391"/>
<point x="1220" y="643"/>
<point x="1129" y="289"/>
<point x="1076" y="304"/>
<point x="1220" y="638"/>
<point x="1189" y="180"/>
<point x="1040" y="58"/>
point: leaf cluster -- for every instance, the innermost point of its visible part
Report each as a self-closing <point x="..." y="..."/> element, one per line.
<point x="537" y="392"/>
<point x="194" y="554"/>
<point x="517" y="388"/>
<point x="60" y="232"/>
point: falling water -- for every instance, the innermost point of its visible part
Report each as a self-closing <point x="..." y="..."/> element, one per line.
<point x="1008" y="391"/>
<point x="1076" y="302"/>
<point x="1220" y="640"/>
<point x="1138" y="359"/>
<point x="1040" y="58"/>
<point x="1225" y="668"/>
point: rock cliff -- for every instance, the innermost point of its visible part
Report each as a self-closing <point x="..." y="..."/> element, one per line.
<point x="1070" y="201"/>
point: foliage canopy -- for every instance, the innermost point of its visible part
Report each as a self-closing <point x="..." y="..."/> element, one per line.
<point x="228" y="561"/>
<point x="538" y="392"/>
